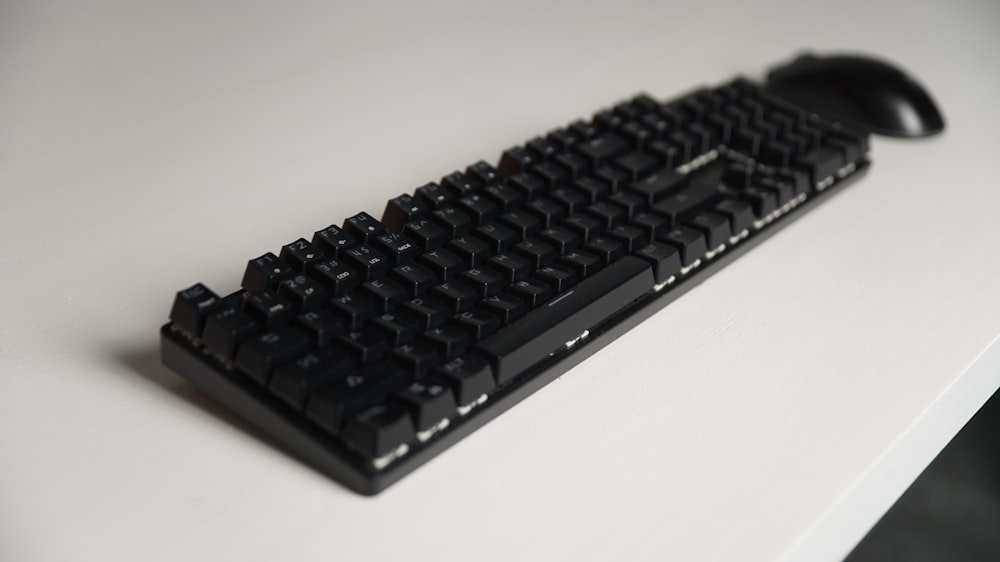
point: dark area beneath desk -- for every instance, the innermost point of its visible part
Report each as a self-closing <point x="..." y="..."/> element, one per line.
<point x="952" y="510"/>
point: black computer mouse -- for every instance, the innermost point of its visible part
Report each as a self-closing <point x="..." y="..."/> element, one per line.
<point x="860" y="91"/>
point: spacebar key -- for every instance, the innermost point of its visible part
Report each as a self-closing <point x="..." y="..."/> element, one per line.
<point x="542" y="331"/>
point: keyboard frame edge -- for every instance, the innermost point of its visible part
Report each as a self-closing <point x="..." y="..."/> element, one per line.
<point x="297" y="435"/>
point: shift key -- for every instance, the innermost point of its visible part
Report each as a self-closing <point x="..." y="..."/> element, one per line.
<point x="544" y="330"/>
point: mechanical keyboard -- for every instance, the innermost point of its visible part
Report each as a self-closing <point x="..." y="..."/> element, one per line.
<point x="377" y="343"/>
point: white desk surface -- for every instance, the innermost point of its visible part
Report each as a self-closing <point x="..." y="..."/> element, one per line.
<point x="772" y="413"/>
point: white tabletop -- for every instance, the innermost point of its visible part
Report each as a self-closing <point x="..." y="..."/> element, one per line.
<point x="772" y="413"/>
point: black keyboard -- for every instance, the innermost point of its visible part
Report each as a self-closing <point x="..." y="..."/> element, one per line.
<point x="377" y="343"/>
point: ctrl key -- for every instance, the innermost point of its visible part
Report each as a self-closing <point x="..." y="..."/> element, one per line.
<point x="379" y="431"/>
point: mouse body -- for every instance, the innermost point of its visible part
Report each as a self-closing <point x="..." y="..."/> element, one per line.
<point x="861" y="92"/>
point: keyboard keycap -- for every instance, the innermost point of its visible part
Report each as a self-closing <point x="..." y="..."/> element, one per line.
<point x="505" y="307"/>
<point x="331" y="405"/>
<point x="459" y="184"/>
<point x="478" y="207"/>
<point x="763" y="201"/>
<point x="714" y="226"/>
<point x="477" y="323"/>
<point x="295" y="381"/>
<point x="531" y="291"/>
<point x="397" y="329"/>
<point x="469" y="377"/>
<point x="384" y="294"/>
<point x="471" y="250"/>
<point x="689" y="241"/>
<point x="637" y="164"/>
<point x="417" y="357"/>
<point x="664" y="259"/>
<point x="366" y="346"/>
<point x="425" y="233"/>
<point x="658" y="186"/>
<point x="531" y="187"/>
<point x="606" y="249"/>
<point x="453" y="221"/>
<point x="630" y="236"/>
<point x="523" y="224"/>
<point x="739" y="213"/>
<point x="259" y="355"/>
<point x="442" y="263"/>
<point x="427" y="311"/>
<point x="378" y="431"/>
<point x="192" y="306"/>
<point x="449" y="340"/>
<point x="602" y="149"/>
<point x="782" y="191"/>
<point x="506" y="198"/>
<point x="401" y="210"/>
<point x="544" y="149"/>
<point x="303" y="292"/>
<point x="428" y="401"/>
<point x="332" y="240"/>
<point x="558" y="277"/>
<point x="561" y="239"/>
<point x="630" y="203"/>
<point x="652" y="225"/>
<point x="322" y="326"/>
<point x="572" y="200"/>
<point x="593" y="187"/>
<point x="363" y="227"/>
<point x="458" y="296"/>
<point x="301" y="255"/>
<point x="820" y="162"/>
<point x="484" y="280"/>
<point x="336" y="275"/>
<point x="547" y="211"/>
<point x="355" y="310"/>
<point x="586" y="227"/>
<point x="511" y="266"/>
<point x="516" y="159"/>
<point x="616" y="178"/>
<point x="574" y="164"/>
<point x="582" y="263"/>
<point x="551" y="174"/>
<point x="265" y="273"/>
<point x="678" y="206"/>
<point x="415" y="279"/>
<point x="267" y="307"/>
<point x="610" y="215"/>
<point x="433" y="195"/>
<point x="398" y="248"/>
<point x="538" y="253"/>
<point x="367" y="261"/>
<point x="225" y="328"/>
<point x="496" y="237"/>
<point x="483" y="173"/>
